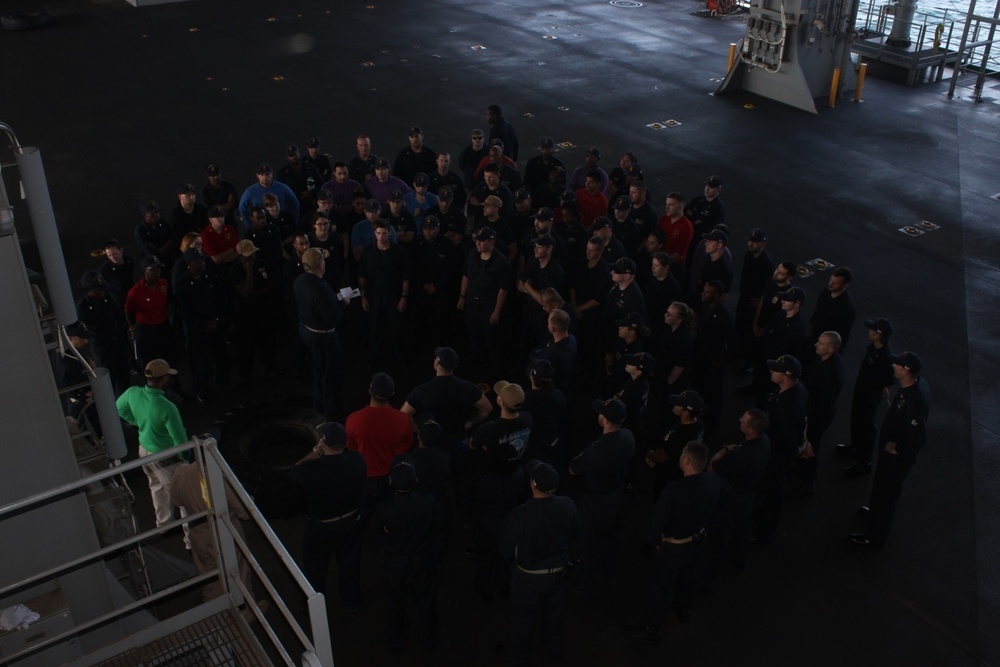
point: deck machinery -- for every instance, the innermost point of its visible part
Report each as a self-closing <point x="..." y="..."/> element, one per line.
<point x="791" y="50"/>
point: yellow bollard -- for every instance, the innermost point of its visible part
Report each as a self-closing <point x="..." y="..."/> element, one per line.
<point x="732" y="56"/>
<point x="833" y="87"/>
<point x="861" y="82"/>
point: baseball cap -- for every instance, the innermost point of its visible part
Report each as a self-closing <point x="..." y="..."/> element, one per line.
<point x="881" y="325"/>
<point x="312" y="142"/>
<point x="91" y="280"/>
<point x="78" y="329"/>
<point x="644" y="361"/>
<point x="151" y="262"/>
<point x="334" y="435"/>
<point x="312" y="257"/>
<point x="403" y="475"/>
<point x="415" y="129"/>
<point x="907" y="360"/>
<point x="194" y="255"/>
<point x="216" y="212"/>
<point x="713" y="182"/>
<point x="382" y="386"/>
<point x="447" y="357"/>
<point x="512" y="394"/>
<point x="623" y="203"/>
<point x="600" y="222"/>
<point x="542" y="369"/>
<point x="612" y="409"/>
<point x="594" y="151"/>
<point x="522" y="195"/>
<point x="420" y="179"/>
<point x="292" y="150"/>
<point x="396" y="195"/>
<point x="757" y="235"/>
<point x="373" y="206"/>
<point x="544" y="213"/>
<point x="716" y="235"/>
<point x="793" y="294"/>
<point x="213" y="170"/>
<point x="431" y="221"/>
<point x="633" y="320"/>
<point x="185" y="189"/>
<point x="786" y="364"/>
<point x="157" y="368"/>
<point x="324" y="195"/>
<point x="430" y="433"/>
<point x="545" y="240"/>
<point x="446" y="193"/>
<point x="148" y="206"/>
<point x="245" y="248"/>
<point x="544" y="476"/>
<point x="485" y="234"/>
<point x="547" y="142"/>
<point x="624" y="265"/>
<point x="381" y="163"/>
<point x="264" y="168"/>
<point x="689" y="400"/>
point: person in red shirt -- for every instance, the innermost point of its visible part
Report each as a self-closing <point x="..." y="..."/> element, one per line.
<point x="381" y="433"/>
<point x="219" y="239"/>
<point x="591" y="200"/>
<point x="146" y="309"/>
<point x="678" y="228"/>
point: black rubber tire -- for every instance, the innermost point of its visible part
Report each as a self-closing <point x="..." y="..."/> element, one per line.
<point x="262" y="443"/>
<point x="27" y="19"/>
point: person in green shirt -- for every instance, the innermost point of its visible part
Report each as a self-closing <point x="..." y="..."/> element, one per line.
<point x="160" y="427"/>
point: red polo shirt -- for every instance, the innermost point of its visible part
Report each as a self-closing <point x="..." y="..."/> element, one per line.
<point x="215" y="243"/>
<point x="380" y="434"/>
<point x="679" y="236"/>
<point x="148" y="305"/>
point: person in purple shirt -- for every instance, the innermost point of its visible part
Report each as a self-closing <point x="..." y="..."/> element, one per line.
<point x="254" y="195"/>
<point x="383" y="184"/>
<point x="590" y="161"/>
<point x="342" y="188"/>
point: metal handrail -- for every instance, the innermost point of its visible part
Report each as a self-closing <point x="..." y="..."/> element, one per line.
<point x="317" y="648"/>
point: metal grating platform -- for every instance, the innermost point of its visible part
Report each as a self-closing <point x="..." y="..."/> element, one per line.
<point x="222" y="640"/>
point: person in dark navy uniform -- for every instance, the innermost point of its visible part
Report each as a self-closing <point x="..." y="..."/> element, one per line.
<point x="384" y="282"/>
<point x="405" y="522"/>
<point x="903" y="435"/>
<point x="318" y="159"/>
<point x="485" y="284"/>
<point x="754" y="276"/>
<point x="742" y="465"/>
<point x="106" y="320"/>
<point x="677" y="528"/>
<point x="497" y="487"/>
<point x="834" y="308"/>
<point x="220" y="192"/>
<point x="117" y="271"/>
<point x="436" y="270"/>
<point x="332" y="477"/>
<point x="540" y="272"/>
<point x="605" y="465"/>
<point x="204" y="304"/>
<point x="537" y="537"/>
<point x="714" y="347"/>
<point x="824" y="378"/>
<point x="320" y="313"/>
<point x="70" y="370"/>
<point x="871" y="386"/>
<point x="433" y="466"/>
<point x="786" y="409"/>
<point x="256" y="311"/>
<point x="153" y="235"/>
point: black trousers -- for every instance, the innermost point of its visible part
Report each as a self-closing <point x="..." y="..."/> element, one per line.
<point x="328" y="371"/>
<point x="533" y="596"/>
<point x="864" y="432"/>
<point x="385" y="329"/>
<point x="409" y="577"/>
<point x="206" y="349"/>
<point x="256" y="332"/>
<point x="320" y="543"/>
<point x="599" y="539"/>
<point x="887" y="488"/>
<point x="670" y="565"/>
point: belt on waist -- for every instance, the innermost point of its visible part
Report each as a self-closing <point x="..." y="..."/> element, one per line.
<point x="320" y="331"/>
<point x="677" y="540"/>
<point x="338" y="518"/>
<point x="551" y="570"/>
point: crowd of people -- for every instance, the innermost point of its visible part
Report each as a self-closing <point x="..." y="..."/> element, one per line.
<point x="573" y="299"/>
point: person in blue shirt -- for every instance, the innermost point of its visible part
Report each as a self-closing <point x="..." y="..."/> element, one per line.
<point x="254" y="195"/>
